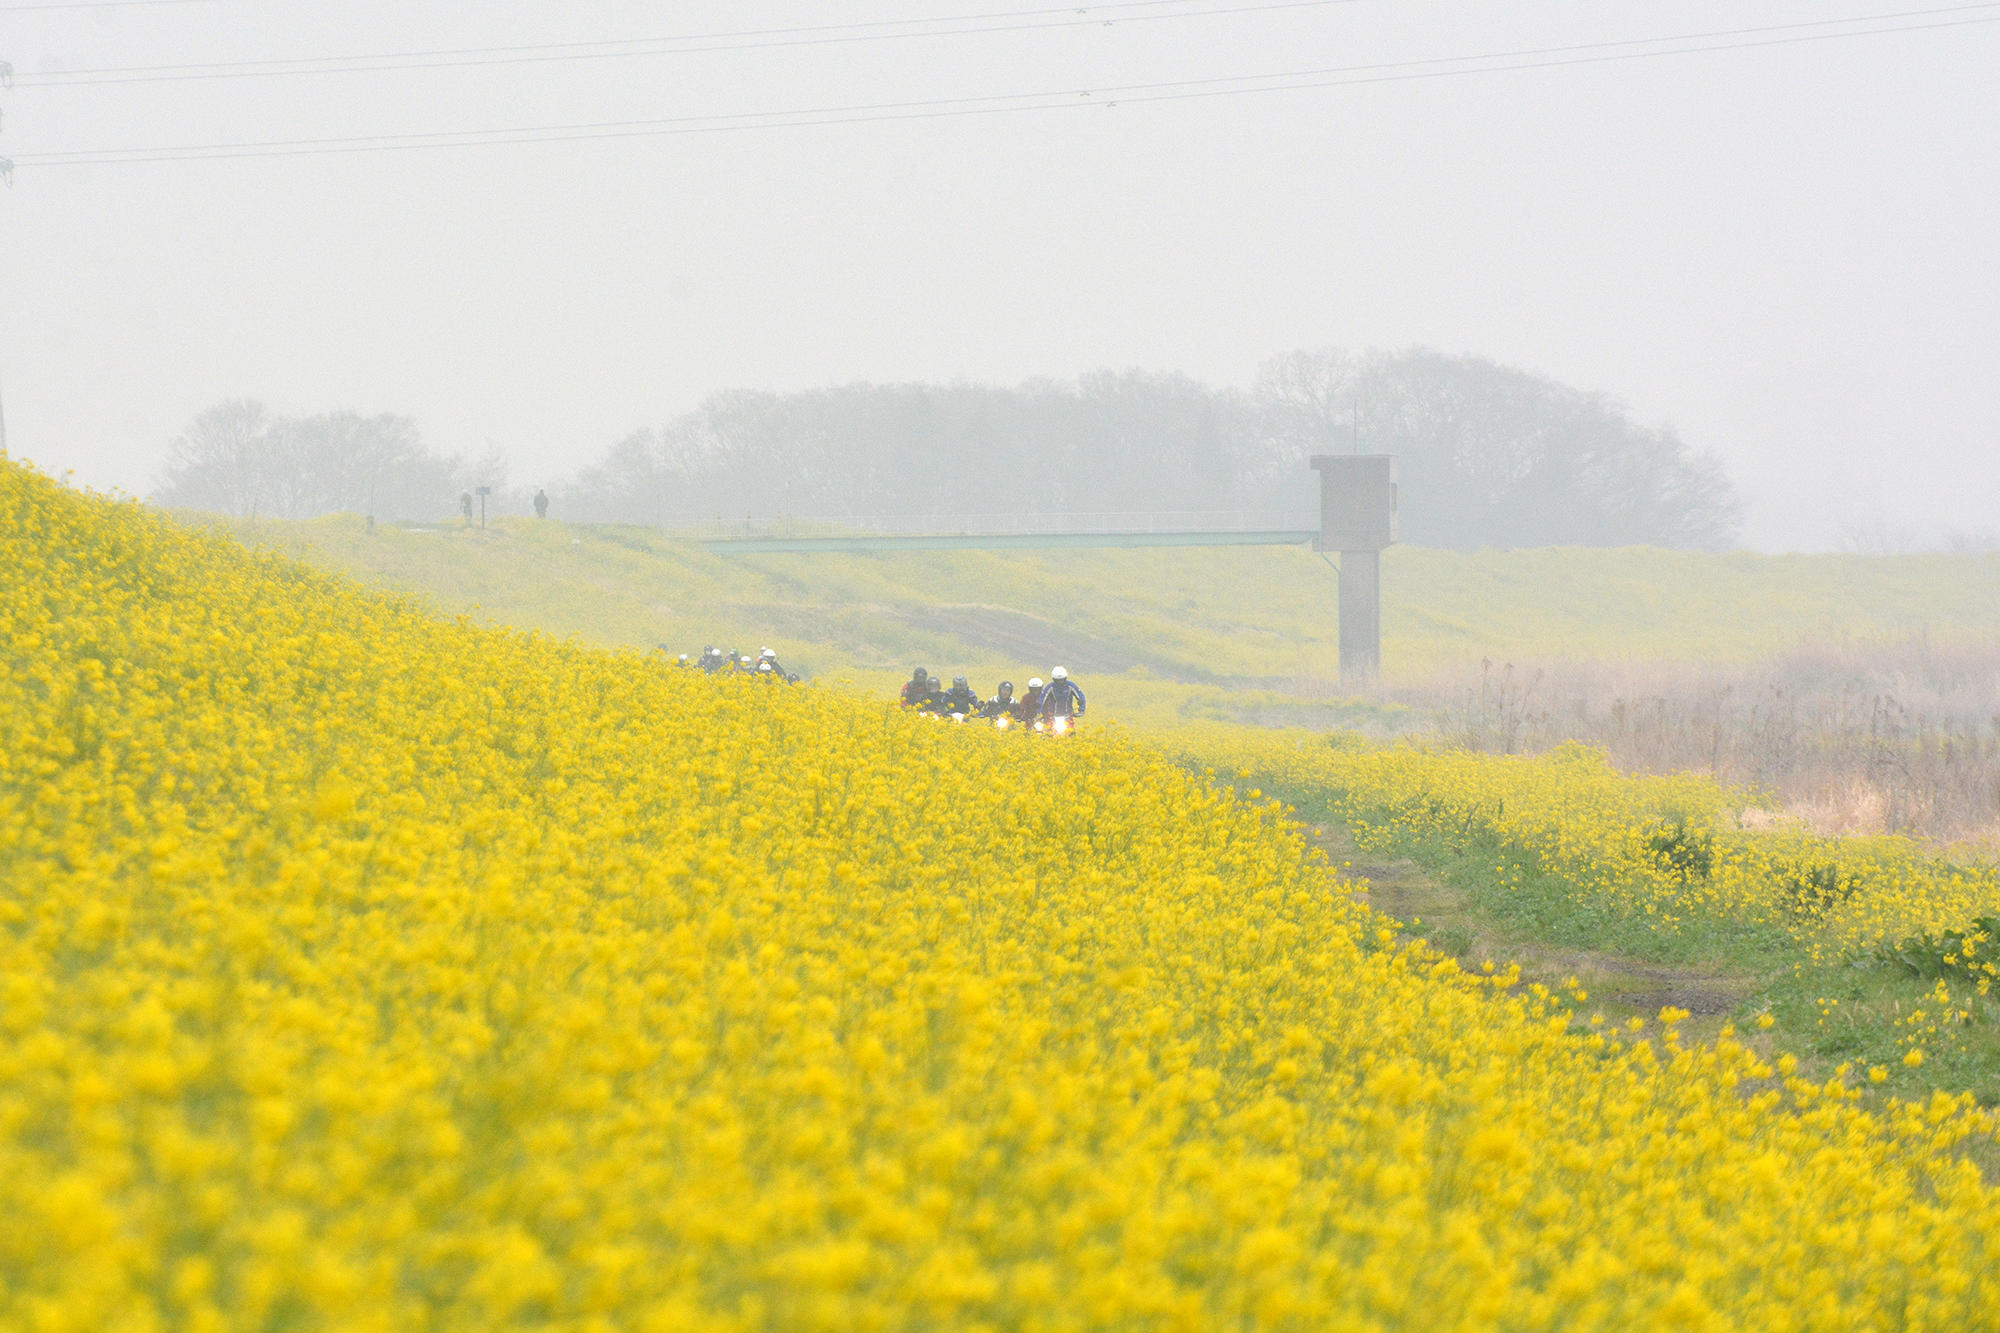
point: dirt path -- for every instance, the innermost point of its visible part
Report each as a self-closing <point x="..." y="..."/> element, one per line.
<point x="1617" y="986"/>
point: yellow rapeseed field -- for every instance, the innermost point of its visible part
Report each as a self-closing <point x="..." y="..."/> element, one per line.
<point x="362" y="971"/>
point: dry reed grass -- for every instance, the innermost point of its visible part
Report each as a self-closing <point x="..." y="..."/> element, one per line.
<point x="1852" y="736"/>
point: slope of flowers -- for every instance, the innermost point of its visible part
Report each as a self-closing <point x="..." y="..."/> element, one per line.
<point x="360" y="971"/>
<point x="1668" y="849"/>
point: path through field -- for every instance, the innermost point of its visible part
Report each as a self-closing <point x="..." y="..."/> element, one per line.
<point x="1618" y="986"/>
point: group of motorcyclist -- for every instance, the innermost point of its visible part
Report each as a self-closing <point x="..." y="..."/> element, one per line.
<point x="1040" y="706"/>
<point x="721" y="661"/>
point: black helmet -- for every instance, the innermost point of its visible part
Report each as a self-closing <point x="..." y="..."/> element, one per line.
<point x="958" y="683"/>
<point x="1006" y="687"/>
<point x="920" y="674"/>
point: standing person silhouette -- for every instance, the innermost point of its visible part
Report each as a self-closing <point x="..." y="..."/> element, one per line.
<point x="541" y="503"/>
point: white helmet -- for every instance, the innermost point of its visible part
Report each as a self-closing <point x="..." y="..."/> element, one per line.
<point x="1060" y="674"/>
<point x="769" y="652"/>
<point x="1034" y="682"/>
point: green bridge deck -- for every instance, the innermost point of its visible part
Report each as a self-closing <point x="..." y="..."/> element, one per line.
<point x="1005" y="541"/>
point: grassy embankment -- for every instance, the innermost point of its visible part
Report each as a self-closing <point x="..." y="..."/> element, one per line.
<point x="1163" y="633"/>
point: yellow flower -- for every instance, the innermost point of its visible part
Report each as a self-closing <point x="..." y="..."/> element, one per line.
<point x="361" y="969"/>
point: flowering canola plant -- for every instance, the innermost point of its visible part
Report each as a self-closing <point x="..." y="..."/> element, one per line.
<point x="360" y="970"/>
<point x="1666" y="849"/>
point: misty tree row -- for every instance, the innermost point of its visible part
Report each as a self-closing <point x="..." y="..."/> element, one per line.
<point x="1487" y="455"/>
<point x="238" y="459"/>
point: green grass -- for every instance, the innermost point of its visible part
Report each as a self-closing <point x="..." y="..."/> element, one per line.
<point x="1246" y="633"/>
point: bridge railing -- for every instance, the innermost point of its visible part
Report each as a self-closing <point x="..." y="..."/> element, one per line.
<point x="985" y="525"/>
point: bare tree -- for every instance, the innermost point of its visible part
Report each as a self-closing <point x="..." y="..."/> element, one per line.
<point x="237" y="459"/>
<point x="1494" y="456"/>
<point x="1309" y="403"/>
<point x="224" y="461"/>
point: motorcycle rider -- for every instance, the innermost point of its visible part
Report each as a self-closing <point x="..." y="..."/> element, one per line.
<point x="934" y="701"/>
<point x="1029" y="704"/>
<point x="1062" y="698"/>
<point x="960" y="698"/>
<point x="713" y="659"/>
<point x="1001" y="704"/>
<point x="770" y="656"/>
<point x="917" y="688"/>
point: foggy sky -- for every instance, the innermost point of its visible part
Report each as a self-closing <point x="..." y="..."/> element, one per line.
<point x="1791" y="253"/>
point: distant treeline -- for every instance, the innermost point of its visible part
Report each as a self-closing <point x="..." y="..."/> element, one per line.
<point x="1486" y="455"/>
<point x="238" y="459"/>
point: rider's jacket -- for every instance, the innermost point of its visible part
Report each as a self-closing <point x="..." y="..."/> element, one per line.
<point x="1028" y="704"/>
<point x="915" y="692"/>
<point x="959" y="701"/>
<point x="995" y="706"/>
<point x="1061" y="698"/>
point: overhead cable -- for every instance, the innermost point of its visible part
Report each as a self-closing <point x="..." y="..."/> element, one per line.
<point x="1122" y="14"/>
<point x="1536" y="58"/>
<point x="96" y="4"/>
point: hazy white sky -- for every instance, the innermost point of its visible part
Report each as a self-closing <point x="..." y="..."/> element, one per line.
<point x="1789" y="251"/>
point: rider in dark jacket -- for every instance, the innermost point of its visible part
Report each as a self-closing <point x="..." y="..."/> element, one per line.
<point x="768" y="661"/>
<point x="1001" y="704"/>
<point x="1062" y="698"/>
<point x="916" y="689"/>
<point x="960" y="698"/>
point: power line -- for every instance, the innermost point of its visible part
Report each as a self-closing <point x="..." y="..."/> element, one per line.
<point x="97" y="4"/>
<point x="1120" y="14"/>
<point x="1533" y="58"/>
